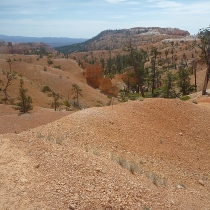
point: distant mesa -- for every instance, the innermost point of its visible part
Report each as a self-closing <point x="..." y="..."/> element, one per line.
<point x="116" y="39"/>
<point x="106" y="40"/>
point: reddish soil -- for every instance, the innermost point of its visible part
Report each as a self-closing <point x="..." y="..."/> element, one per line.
<point x="11" y="122"/>
<point x="151" y="154"/>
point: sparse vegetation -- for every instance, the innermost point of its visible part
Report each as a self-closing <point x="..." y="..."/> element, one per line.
<point x="122" y="161"/>
<point x="204" y="35"/>
<point x="76" y="90"/>
<point x="133" y="168"/>
<point x="39" y="135"/>
<point x="55" y="102"/>
<point x="153" y="176"/>
<point x="25" y="103"/>
<point x="46" y="88"/>
<point x="50" y="62"/>
<point x="10" y="76"/>
<point x="57" y="67"/>
<point x="185" y="98"/>
<point x="58" y="140"/>
<point x="67" y="104"/>
<point x="98" y="104"/>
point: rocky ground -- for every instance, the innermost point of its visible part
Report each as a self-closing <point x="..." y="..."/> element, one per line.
<point x="151" y="154"/>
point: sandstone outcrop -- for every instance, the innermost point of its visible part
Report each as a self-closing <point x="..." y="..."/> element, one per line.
<point x="95" y="78"/>
<point x="107" y="87"/>
<point x="94" y="74"/>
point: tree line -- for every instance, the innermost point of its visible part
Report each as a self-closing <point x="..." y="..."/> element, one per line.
<point x="153" y="71"/>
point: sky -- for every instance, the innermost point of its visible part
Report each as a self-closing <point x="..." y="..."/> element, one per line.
<point x="87" y="18"/>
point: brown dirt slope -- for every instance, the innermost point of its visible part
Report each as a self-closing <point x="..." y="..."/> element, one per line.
<point x="15" y="123"/>
<point x="75" y="162"/>
<point x="31" y="68"/>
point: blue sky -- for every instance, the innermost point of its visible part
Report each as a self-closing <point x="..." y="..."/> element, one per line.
<point x="87" y="18"/>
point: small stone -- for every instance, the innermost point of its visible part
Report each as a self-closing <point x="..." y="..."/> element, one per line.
<point x="179" y="186"/>
<point x="37" y="166"/>
<point x="99" y="170"/>
<point x="71" y="207"/>
<point x="172" y="202"/>
<point x="201" y="182"/>
<point x="23" y="180"/>
<point x="180" y="134"/>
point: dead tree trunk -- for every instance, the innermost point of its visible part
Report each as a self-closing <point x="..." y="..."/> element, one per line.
<point x="206" y="79"/>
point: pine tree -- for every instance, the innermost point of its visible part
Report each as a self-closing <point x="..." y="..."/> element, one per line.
<point x="204" y="36"/>
<point x="76" y="90"/>
<point x="183" y="76"/>
<point x="25" y="103"/>
<point x="137" y="59"/>
<point x="168" y="87"/>
<point x="10" y="75"/>
<point x="55" y="104"/>
<point x="154" y="65"/>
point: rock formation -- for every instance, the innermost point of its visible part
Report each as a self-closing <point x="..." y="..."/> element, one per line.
<point x="95" y="78"/>
<point x="94" y="74"/>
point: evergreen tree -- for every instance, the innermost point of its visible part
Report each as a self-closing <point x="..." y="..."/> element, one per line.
<point x="154" y="62"/>
<point x="168" y="87"/>
<point x="56" y="97"/>
<point x="25" y="103"/>
<point x="77" y="93"/>
<point x="137" y="60"/>
<point x="183" y="82"/>
<point x="10" y="75"/>
<point x="204" y="36"/>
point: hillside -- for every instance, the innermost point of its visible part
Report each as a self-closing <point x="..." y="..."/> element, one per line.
<point x="107" y="71"/>
<point x="173" y="55"/>
<point x="151" y="154"/>
<point x="116" y="39"/>
<point x="60" y="76"/>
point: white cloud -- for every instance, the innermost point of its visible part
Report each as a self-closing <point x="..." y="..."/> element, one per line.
<point x="172" y="7"/>
<point x="116" y="1"/>
<point x="133" y="2"/>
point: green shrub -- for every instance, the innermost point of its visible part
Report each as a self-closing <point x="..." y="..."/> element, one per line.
<point x="185" y="98"/>
<point x="98" y="104"/>
<point x="57" y="67"/>
<point x="67" y="103"/>
<point x="46" y="89"/>
<point x="25" y="101"/>
<point x="4" y="100"/>
<point x="49" y="62"/>
<point x="133" y="96"/>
